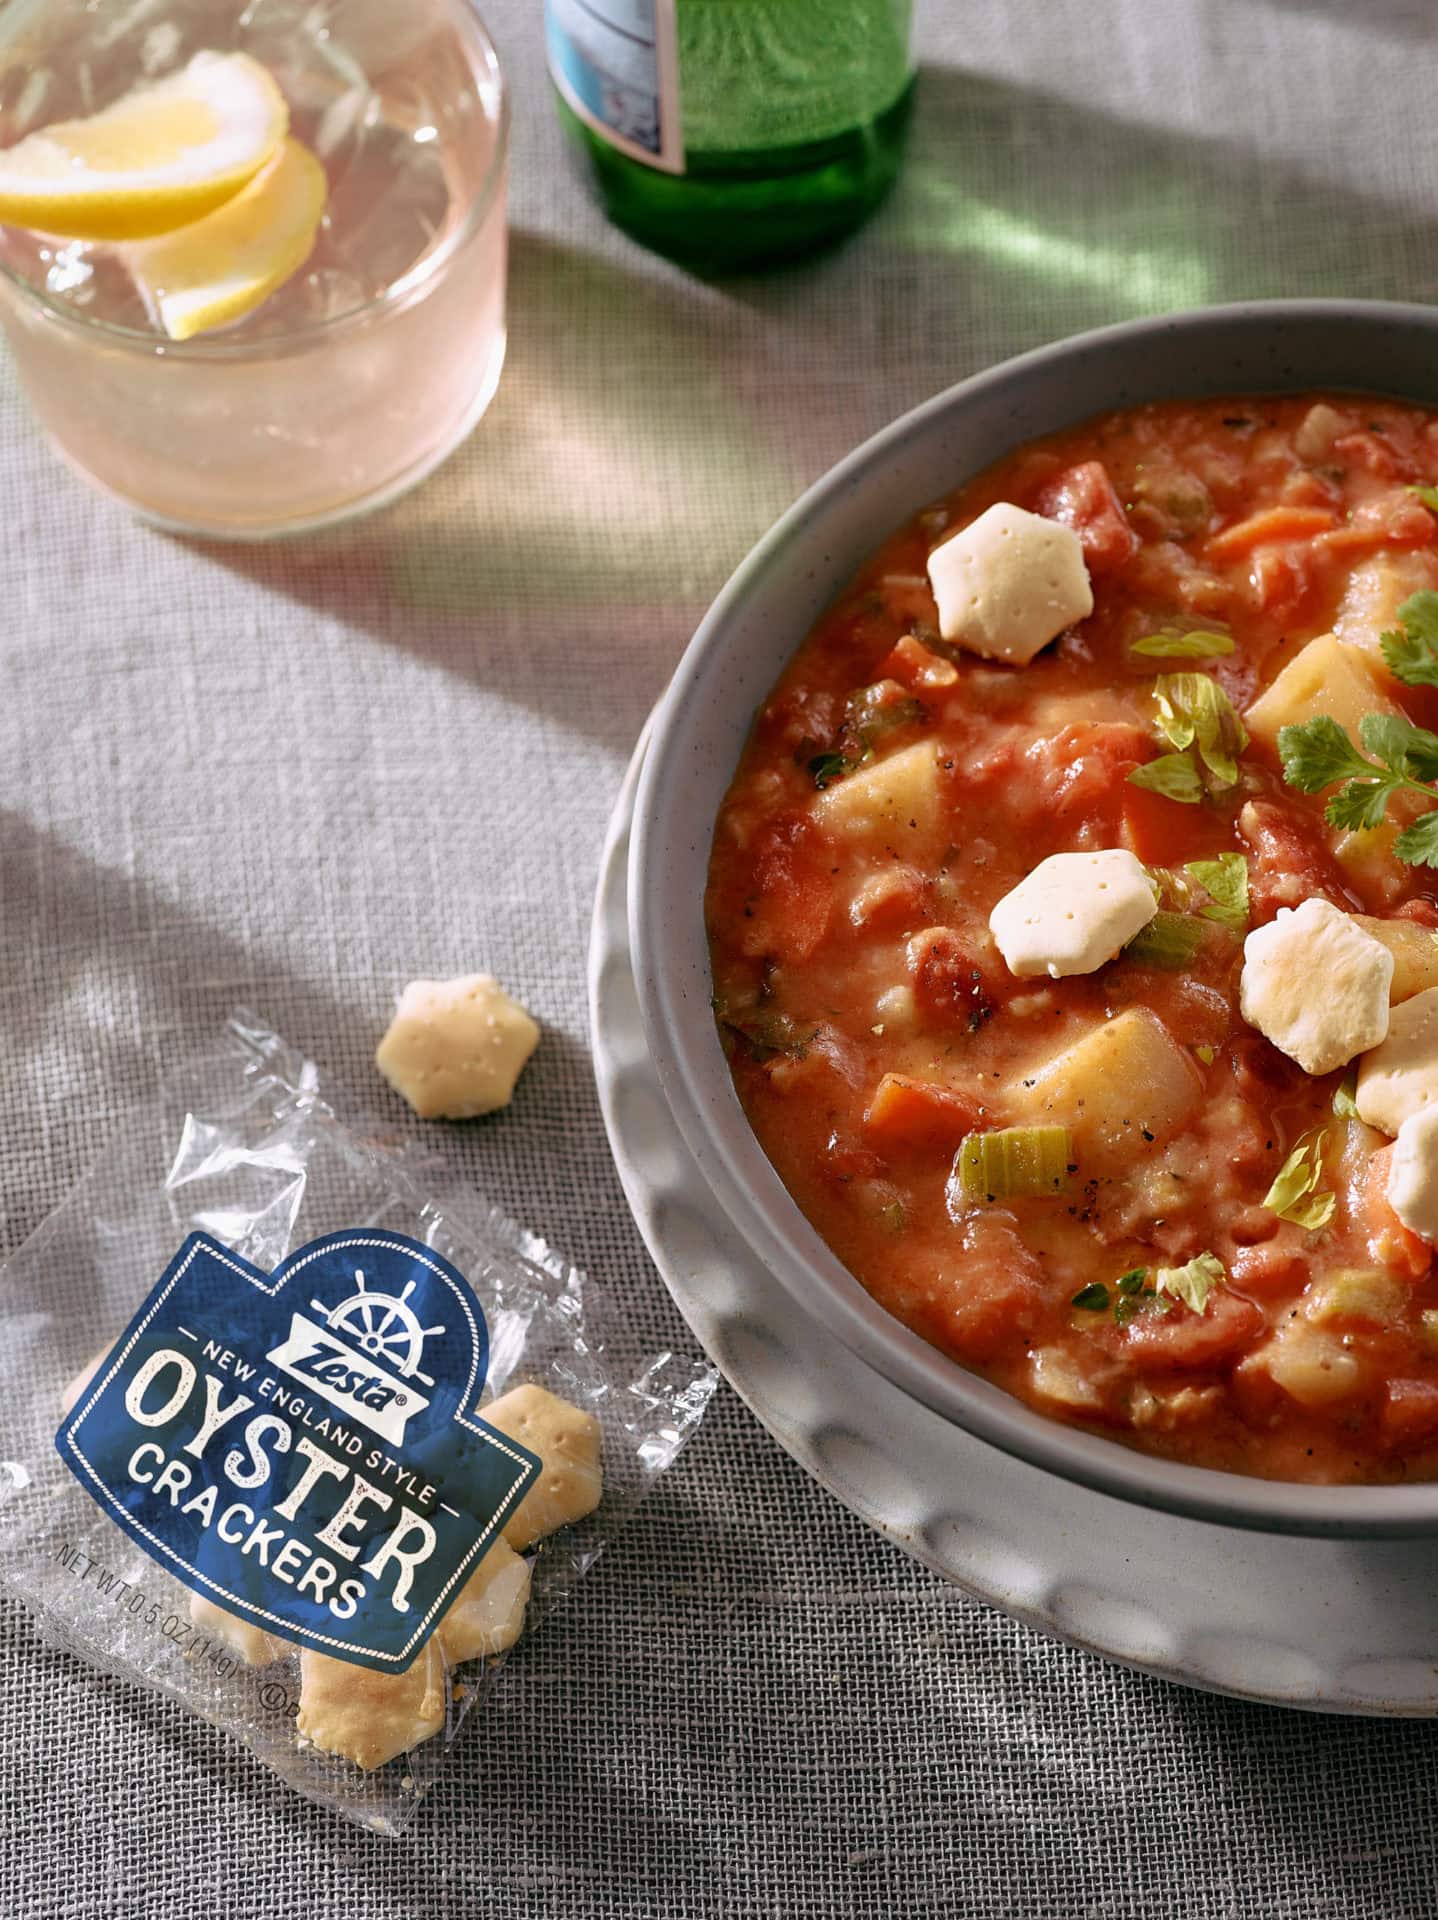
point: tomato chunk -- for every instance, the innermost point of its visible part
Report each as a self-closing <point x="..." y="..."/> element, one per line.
<point x="1083" y="498"/>
<point x="1410" y="1412"/>
<point x="1164" y="832"/>
<point x="916" y="667"/>
<point x="1393" y="520"/>
<point x="787" y="910"/>
<point x="1080" y="776"/>
<point x="989" y="1302"/>
<point x="1179" y="1340"/>
<point x="1290" y="862"/>
<point x="949" y="983"/>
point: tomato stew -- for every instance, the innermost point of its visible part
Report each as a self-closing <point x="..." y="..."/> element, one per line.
<point x="896" y="787"/>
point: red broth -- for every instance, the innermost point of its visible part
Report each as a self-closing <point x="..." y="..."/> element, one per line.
<point x="871" y="1023"/>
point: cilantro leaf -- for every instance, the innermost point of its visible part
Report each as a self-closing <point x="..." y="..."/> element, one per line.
<point x="1193" y="710"/>
<point x="1131" y="1281"/>
<point x="1418" y="844"/>
<point x="1225" y="881"/>
<point x="1295" y="1194"/>
<point x="1172" y="644"/>
<point x="1194" y="1281"/>
<point x="1173" y="775"/>
<point x="1361" y="803"/>
<point x="1412" y="652"/>
<point x="1393" y="739"/>
<point x="1318" y="753"/>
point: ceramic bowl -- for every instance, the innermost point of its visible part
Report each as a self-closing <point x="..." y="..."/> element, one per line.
<point x="732" y="662"/>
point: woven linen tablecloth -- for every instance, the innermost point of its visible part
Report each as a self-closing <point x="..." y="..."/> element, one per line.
<point x="295" y="776"/>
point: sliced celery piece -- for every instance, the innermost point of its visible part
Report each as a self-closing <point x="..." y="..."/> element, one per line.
<point x="1014" y="1162"/>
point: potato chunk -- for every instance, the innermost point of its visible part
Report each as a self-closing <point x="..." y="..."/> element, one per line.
<point x="1309" y="1364"/>
<point x="1356" y="1293"/>
<point x="1414" y="950"/>
<point x="1373" y="595"/>
<point x="895" y="796"/>
<point x="1368" y="861"/>
<point x="1326" y="677"/>
<point x="1121" y="1087"/>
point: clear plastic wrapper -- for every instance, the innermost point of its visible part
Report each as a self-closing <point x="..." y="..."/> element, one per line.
<point x="242" y="1146"/>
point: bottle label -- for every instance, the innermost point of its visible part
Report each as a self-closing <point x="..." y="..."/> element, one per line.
<point x="616" y="62"/>
<point x="302" y="1447"/>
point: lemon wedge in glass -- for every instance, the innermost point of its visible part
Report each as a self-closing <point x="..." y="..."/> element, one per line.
<point x="219" y="268"/>
<point x="160" y="157"/>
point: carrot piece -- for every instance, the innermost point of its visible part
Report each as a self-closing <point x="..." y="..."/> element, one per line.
<point x="905" y="1112"/>
<point x="1264" y="529"/>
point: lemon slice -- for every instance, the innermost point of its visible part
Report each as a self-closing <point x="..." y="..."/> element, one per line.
<point x="223" y="266"/>
<point x="164" y="155"/>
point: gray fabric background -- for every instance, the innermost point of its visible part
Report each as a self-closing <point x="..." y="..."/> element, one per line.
<point x="295" y="777"/>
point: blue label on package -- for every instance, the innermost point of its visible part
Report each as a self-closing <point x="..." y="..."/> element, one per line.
<point x="302" y="1447"/>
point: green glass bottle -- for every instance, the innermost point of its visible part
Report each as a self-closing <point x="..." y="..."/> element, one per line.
<point x="734" y="133"/>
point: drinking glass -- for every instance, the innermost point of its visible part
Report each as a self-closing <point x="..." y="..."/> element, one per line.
<point x="360" y="374"/>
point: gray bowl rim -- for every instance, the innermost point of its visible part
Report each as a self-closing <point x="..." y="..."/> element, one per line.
<point x="669" y="853"/>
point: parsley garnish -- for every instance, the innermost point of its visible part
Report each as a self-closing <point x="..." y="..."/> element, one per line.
<point x="1197" y="718"/>
<point x="1136" y="1296"/>
<point x="825" y="767"/>
<point x="1133" y="1297"/>
<point x="1295" y="1193"/>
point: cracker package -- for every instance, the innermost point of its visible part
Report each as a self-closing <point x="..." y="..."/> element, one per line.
<point x="291" y="1436"/>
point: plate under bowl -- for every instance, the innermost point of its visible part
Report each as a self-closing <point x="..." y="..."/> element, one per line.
<point x="699" y="731"/>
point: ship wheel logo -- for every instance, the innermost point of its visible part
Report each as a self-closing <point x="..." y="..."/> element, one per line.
<point x="381" y="1325"/>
